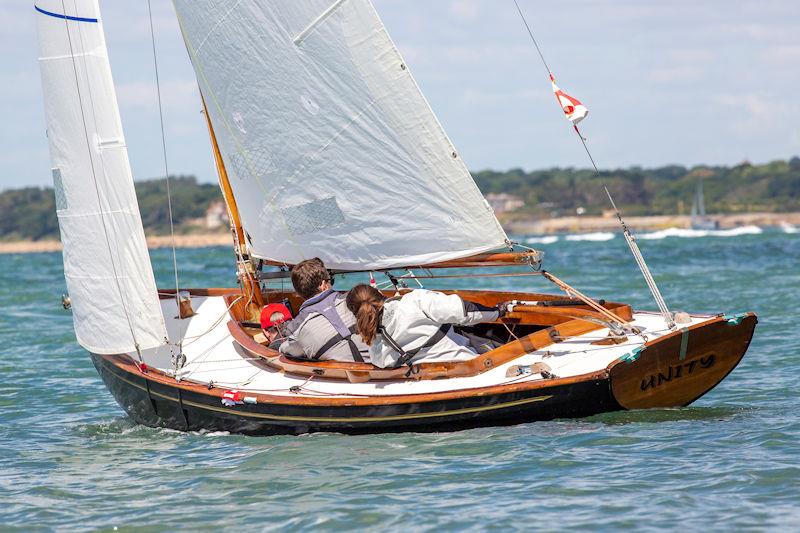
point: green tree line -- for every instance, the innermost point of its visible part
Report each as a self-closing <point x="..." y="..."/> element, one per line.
<point x="29" y="213"/>
<point x="742" y="188"/>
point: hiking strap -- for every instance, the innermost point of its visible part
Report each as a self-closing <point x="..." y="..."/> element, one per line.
<point x="407" y="356"/>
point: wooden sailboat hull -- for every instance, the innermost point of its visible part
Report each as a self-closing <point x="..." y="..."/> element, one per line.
<point x="159" y="404"/>
<point x="671" y="371"/>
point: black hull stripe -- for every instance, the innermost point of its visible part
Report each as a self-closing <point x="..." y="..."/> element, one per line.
<point x="437" y="414"/>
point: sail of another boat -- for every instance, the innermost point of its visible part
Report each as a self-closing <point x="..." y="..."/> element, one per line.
<point x="107" y="266"/>
<point x="699" y="220"/>
<point x="331" y="148"/>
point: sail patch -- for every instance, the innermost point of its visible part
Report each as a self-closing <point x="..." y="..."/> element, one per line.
<point x="256" y="163"/>
<point x="58" y="186"/>
<point x="313" y="216"/>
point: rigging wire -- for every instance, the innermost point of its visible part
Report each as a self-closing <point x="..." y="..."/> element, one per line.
<point x="629" y="238"/>
<point x="530" y="32"/>
<point x="123" y="300"/>
<point x="177" y="359"/>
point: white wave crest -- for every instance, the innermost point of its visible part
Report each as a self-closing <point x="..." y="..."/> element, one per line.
<point x="599" y="236"/>
<point x="544" y="239"/>
<point x="789" y="228"/>
<point x="686" y="233"/>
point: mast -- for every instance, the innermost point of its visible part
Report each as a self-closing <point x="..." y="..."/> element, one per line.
<point x="700" y="200"/>
<point x="251" y="289"/>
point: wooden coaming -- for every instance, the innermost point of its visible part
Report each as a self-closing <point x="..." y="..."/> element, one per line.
<point x="128" y="365"/>
<point x="559" y="323"/>
<point x="433" y="370"/>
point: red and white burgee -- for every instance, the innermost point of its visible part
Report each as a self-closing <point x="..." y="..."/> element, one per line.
<point x="573" y="108"/>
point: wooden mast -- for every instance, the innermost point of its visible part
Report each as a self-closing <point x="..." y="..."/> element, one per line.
<point x="251" y="290"/>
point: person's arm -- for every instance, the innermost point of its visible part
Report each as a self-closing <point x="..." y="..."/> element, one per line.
<point x="452" y="309"/>
<point x="292" y="348"/>
<point x="289" y="345"/>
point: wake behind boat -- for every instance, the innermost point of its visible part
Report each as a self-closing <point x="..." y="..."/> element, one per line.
<point x="325" y="147"/>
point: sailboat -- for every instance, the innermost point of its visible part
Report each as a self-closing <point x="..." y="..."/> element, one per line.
<point x="699" y="220"/>
<point x="325" y="147"/>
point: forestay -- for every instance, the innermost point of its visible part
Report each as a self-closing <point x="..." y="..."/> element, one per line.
<point x="331" y="147"/>
<point x="106" y="263"/>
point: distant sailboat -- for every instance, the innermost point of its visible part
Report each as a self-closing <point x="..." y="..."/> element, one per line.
<point x="326" y="147"/>
<point x="699" y="220"/>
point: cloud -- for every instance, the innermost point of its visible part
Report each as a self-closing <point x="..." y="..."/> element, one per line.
<point x="756" y="114"/>
<point x="782" y="56"/>
<point x="464" y="10"/>
<point x="679" y="74"/>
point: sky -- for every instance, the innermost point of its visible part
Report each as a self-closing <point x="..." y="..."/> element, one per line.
<point x="666" y="82"/>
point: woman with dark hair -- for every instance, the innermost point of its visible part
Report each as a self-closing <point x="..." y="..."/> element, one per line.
<point x="417" y="326"/>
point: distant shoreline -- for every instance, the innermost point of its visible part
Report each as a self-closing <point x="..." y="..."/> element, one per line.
<point x="583" y="224"/>
<point x="519" y="227"/>
<point x="203" y="240"/>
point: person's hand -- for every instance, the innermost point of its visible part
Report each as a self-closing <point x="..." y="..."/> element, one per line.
<point x="272" y="334"/>
<point x="503" y="308"/>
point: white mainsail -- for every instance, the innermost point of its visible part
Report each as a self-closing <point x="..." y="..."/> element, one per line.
<point x="331" y="147"/>
<point x="106" y="263"/>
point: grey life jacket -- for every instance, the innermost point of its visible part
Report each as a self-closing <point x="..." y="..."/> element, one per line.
<point x="324" y="304"/>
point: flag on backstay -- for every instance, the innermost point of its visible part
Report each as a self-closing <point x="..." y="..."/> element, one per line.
<point x="574" y="110"/>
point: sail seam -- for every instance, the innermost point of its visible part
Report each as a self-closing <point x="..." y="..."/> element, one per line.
<point x="217" y="25"/>
<point x="84" y="54"/>
<point x="129" y="211"/>
<point x="316" y="22"/>
<point x="308" y="159"/>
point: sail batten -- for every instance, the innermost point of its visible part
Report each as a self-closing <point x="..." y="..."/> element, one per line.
<point x="107" y="266"/>
<point x="331" y="147"/>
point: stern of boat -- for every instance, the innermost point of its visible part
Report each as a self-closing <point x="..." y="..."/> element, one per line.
<point x="677" y="369"/>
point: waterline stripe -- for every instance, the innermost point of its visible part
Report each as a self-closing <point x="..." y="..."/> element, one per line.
<point x="63" y="17"/>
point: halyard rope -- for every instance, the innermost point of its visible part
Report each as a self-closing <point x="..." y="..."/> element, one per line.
<point x="176" y="358"/>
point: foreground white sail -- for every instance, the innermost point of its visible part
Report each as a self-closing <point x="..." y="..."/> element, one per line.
<point x="331" y="147"/>
<point x="106" y="263"/>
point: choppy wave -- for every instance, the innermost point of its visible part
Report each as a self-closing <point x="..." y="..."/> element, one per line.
<point x="71" y="460"/>
<point x="599" y="236"/>
<point x="789" y="228"/>
<point x="687" y="233"/>
<point x="543" y="239"/>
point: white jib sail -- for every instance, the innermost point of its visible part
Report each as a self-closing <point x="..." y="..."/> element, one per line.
<point x="331" y="148"/>
<point x="106" y="263"/>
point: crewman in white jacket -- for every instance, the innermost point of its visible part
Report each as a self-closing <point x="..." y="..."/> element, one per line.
<point x="417" y="326"/>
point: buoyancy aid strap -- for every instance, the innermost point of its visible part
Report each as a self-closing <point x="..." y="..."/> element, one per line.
<point x="336" y="339"/>
<point x="406" y="356"/>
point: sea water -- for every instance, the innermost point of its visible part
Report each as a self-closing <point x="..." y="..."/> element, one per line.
<point x="70" y="459"/>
